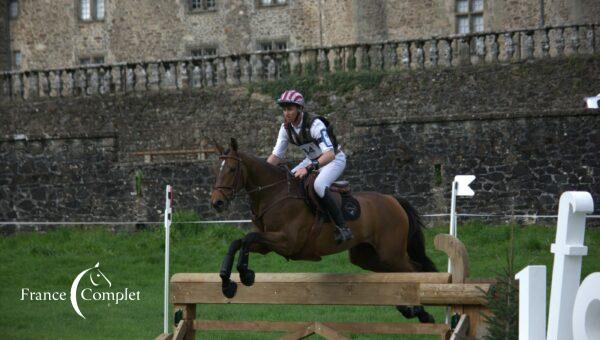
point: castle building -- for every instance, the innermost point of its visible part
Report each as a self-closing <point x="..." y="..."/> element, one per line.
<point x="36" y="34"/>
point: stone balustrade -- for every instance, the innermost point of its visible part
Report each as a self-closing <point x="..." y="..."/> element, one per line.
<point x="186" y="73"/>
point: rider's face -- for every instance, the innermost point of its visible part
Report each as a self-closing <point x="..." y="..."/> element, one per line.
<point x="291" y="113"/>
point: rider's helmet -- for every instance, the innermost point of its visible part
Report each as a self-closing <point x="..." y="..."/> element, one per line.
<point x="291" y="97"/>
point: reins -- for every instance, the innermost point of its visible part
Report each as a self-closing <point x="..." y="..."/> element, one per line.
<point x="237" y="179"/>
<point x="232" y="189"/>
<point x="260" y="188"/>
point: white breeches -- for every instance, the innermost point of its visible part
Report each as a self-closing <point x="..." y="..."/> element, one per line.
<point x="327" y="174"/>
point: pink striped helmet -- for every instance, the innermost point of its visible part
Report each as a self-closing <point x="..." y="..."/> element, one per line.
<point x="291" y="97"/>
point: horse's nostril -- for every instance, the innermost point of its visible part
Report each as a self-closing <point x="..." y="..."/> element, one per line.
<point x="218" y="204"/>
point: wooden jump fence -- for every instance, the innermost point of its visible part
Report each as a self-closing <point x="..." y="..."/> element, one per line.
<point x="465" y="297"/>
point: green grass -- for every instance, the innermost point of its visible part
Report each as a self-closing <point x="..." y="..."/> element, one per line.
<point x="340" y="82"/>
<point x="50" y="261"/>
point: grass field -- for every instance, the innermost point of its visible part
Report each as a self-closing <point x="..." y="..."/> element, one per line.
<point x="50" y="262"/>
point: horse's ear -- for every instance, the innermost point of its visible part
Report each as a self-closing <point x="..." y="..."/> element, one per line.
<point x="219" y="147"/>
<point x="234" y="145"/>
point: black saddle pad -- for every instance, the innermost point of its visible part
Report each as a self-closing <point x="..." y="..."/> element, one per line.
<point x="350" y="207"/>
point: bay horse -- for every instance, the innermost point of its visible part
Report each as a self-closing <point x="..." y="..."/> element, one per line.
<point x="387" y="235"/>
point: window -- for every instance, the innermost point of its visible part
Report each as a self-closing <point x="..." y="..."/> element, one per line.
<point x="204" y="51"/>
<point x="463" y="25"/>
<point x="277" y="45"/>
<point x="478" y="23"/>
<point x="13" y="9"/>
<point x="469" y="16"/>
<point x="267" y="3"/>
<point x="91" y="10"/>
<point x="462" y="6"/>
<point x="202" y="5"/>
<point x="16" y="60"/>
<point x="91" y="60"/>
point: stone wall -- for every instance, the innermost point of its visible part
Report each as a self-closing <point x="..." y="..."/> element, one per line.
<point x="520" y="128"/>
<point x="137" y="30"/>
<point x="568" y="12"/>
<point x="60" y="178"/>
<point x="5" y="58"/>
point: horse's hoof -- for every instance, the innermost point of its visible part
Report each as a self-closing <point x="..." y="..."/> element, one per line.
<point x="229" y="289"/>
<point x="247" y="277"/>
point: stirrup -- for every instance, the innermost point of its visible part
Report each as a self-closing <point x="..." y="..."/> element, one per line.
<point x="342" y="234"/>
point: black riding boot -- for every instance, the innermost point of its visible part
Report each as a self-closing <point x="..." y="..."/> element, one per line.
<point x="342" y="233"/>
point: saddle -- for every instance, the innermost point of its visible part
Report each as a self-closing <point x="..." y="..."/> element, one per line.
<point x="341" y="192"/>
<point x="342" y="195"/>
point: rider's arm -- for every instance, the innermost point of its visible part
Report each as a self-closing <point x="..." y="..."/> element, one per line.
<point x="318" y="130"/>
<point x="273" y="159"/>
<point x="326" y="157"/>
<point x="280" y="147"/>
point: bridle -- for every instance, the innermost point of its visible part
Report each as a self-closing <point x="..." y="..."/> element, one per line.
<point x="233" y="189"/>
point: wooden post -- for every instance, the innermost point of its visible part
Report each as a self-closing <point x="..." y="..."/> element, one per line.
<point x="457" y="253"/>
<point x="189" y="315"/>
<point x="458" y="256"/>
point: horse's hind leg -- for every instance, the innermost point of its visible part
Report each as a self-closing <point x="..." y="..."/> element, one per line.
<point x="365" y="256"/>
<point x="410" y="312"/>
<point x="402" y="263"/>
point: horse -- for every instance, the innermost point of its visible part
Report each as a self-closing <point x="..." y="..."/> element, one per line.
<point x="387" y="235"/>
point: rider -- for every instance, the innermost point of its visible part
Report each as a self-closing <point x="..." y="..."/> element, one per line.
<point x="322" y="155"/>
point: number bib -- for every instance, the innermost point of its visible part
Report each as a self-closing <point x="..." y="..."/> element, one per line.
<point x="311" y="150"/>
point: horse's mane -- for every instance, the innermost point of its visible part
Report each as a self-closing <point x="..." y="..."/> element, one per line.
<point x="274" y="169"/>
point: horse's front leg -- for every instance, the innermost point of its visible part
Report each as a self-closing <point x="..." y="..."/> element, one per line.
<point x="260" y="243"/>
<point x="229" y="287"/>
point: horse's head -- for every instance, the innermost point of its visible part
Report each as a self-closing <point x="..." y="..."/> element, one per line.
<point x="229" y="176"/>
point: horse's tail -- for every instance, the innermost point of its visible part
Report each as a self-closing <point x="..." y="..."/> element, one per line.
<point x="416" y="239"/>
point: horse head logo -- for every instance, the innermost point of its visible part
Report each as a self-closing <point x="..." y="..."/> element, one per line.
<point x="96" y="276"/>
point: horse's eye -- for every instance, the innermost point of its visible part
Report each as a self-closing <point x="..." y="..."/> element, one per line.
<point x="231" y="169"/>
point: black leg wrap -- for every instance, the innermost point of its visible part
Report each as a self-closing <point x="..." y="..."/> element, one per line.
<point x="247" y="277"/>
<point x="246" y="274"/>
<point x="229" y="287"/>
<point x="226" y="266"/>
